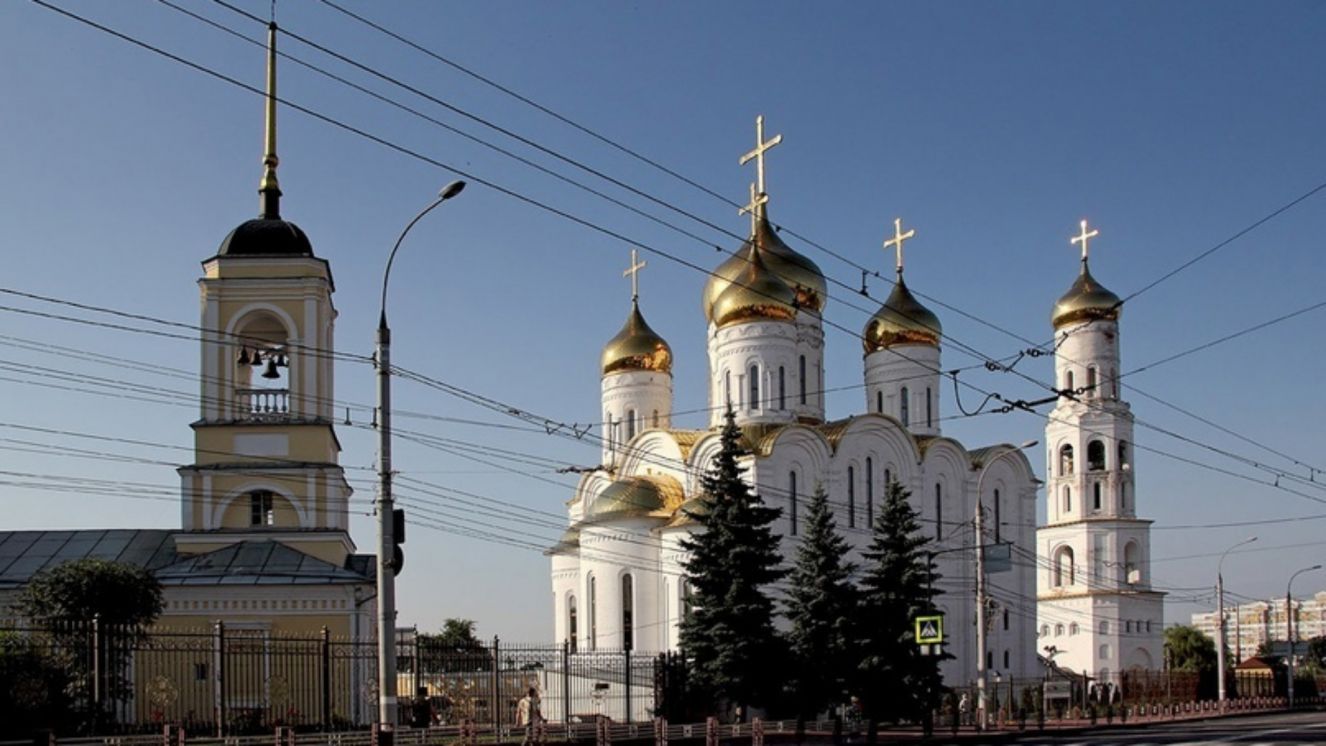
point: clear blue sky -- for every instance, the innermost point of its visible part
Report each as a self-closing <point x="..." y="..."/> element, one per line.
<point x="991" y="128"/>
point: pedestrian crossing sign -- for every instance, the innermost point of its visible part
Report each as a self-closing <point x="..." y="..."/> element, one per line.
<point x="930" y="629"/>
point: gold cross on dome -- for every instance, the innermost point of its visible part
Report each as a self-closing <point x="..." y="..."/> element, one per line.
<point x="1083" y="237"/>
<point x="757" y="200"/>
<point x="761" y="147"/>
<point x="896" y="241"/>
<point x="634" y="273"/>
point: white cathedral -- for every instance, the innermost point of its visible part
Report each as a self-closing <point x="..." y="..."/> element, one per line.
<point x="617" y="573"/>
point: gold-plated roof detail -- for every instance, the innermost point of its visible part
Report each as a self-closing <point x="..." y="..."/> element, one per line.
<point x="636" y="347"/>
<point x="637" y="497"/>
<point x="268" y="187"/>
<point x="569" y="542"/>
<point x="686" y="513"/>
<point x="1086" y="300"/>
<point x="901" y="320"/>
<point x="756" y="294"/>
<point x="795" y="270"/>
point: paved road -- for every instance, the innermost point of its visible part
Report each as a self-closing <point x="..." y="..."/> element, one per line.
<point x="1281" y="728"/>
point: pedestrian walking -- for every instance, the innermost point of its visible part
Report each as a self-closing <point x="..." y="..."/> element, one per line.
<point x="528" y="714"/>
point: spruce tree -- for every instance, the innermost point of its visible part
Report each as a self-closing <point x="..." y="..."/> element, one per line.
<point x="821" y="607"/>
<point x="729" y="636"/>
<point x="897" y="682"/>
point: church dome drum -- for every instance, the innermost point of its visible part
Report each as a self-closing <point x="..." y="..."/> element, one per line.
<point x="636" y="347"/>
<point x="901" y="320"/>
<point x="1086" y="300"/>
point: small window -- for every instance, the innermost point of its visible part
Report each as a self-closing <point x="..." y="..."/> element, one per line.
<point x="1128" y="626"/>
<point x="592" y="642"/>
<point x="1095" y="496"/>
<point x="879" y="402"/>
<point x="929" y="409"/>
<point x="792" y="500"/>
<point x="870" y="488"/>
<point x="989" y="659"/>
<point x="1148" y="626"/>
<point x="1091" y="381"/>
<point x="610" y="429"/>
<point x="628" y="612"/>
<point x="727" y="388"/>
<point x="653" y="421"/>
<point x="1104" y="628"/>
<point x="997" y="519"/>
<point x="870" y="503"/>
<point x="572" y="629"/>
<point x="1063" y="567"/>
<point x="782" y="388"/>
<point x="904" y="413"/>
<point x="630" y="424"/>
<point x="939" y="511"/>
<point x="261" y="510"/>
<point x="1068" y="381"/>
<point x="1045" y="630"/>
<point x="1114" y="383"/>
<point x="1072" y="628"/>
<point x="1005" y="623"/>
<point x="1104" y="655"/>
<point x="851" y="497"/>
<point x="1123" y="453"/>
<point x="1068" y="499"/>
<point x="802" y="379"/>
<point x="754" y="403"/>
<point x="1005" y="659"/>
<point x="1058" y="630"/>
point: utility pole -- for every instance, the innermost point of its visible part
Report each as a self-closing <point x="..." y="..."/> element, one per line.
<point x="1220" y="621"/>
<point x="1289" y="628"/>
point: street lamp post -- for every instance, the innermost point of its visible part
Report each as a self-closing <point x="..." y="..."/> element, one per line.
<point x="386" y="564"/>
<point x="1289" y="627"/>
<point x="981" y="710"/>
<point x="1220" y="620"/>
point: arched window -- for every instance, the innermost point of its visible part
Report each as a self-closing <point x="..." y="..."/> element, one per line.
<point x="592" y="642"/>
<point x="879" y="402"/>
<point x="1066" y="461"/>
<point x="1068" y="499"/>
<point x="630" y="424"/>
<point x="610" y="430"/>
<point x="727" y="388"/>
<point x="782" y="387"/>
<point x="904" y="412"/>
<point x="653" y="421"/>
<point x="1005" y="659"/>
<point x="1063" y="567"/>
<point x="792" y="500"/>
<point x="870" y="489"/>
<point x="1045" y="630"/>
<point x="929" y="409"/>
<point x="628" y="612"/>
<point x="754" y="402"/>
<point x="851" y="497"/>
<point x="1005" y="623"/>
<point x="997" y="519"/>
<point x="939" y="511"/>
<point x="1058" y="630"/>
<point x="1091" y="381"/>
<point x="1095" y="456"/>
<point x="801" y="378"/>
<point x="870" y="503"/>
<point x="1114" y="383"/>
<point x="1132" y="563"/>
<point x="571" y="626"/>
<point x="1072" y="628"/>
<point x="1068" y="381"/>
<point x="1095" y="496"/>
<point x="261" y="510"/>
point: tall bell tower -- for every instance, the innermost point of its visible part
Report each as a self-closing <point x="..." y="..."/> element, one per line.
<point x="266" y="455"/>
<point x="1095" y="601"/>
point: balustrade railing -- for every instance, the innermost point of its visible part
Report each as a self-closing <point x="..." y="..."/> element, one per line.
<point x="262" y="404"/>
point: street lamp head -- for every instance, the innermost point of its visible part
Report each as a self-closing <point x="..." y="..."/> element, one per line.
<point x="451" y="190"/>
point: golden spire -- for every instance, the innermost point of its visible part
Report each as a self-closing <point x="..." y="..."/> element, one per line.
<point x="755" y="207"/>
<point x="896" y="241"/>
<point x="761" y="147"/>
<point x="1083" y="237"/>
<point x="268" y="189"/>
<point x="633" y="272"/>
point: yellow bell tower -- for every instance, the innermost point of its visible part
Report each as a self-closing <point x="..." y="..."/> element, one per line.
<point x="266" y="454"/>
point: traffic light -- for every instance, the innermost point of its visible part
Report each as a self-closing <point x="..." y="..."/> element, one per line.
<point x="397" y="538"/>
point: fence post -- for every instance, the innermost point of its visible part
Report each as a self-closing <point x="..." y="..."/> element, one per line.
<point x="97" y="679"/>
<point x="326" y="678"/>
<point x="497" y="690"/>
<point x="566" y="685"/>
<point x="627" y="653"/>
<point x="219" y="639"/>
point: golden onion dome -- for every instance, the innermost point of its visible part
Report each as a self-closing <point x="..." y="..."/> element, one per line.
<point x="636" y="497"/>
<point x="1086" y="300"/>
<point x="636" y="347"/>
<point x="793" y="268"/>
<point x="901" y="320"/>
<point x="757" y="294"/>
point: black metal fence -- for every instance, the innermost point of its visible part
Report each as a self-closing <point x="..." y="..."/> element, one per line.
<point x="230" y="680"/>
